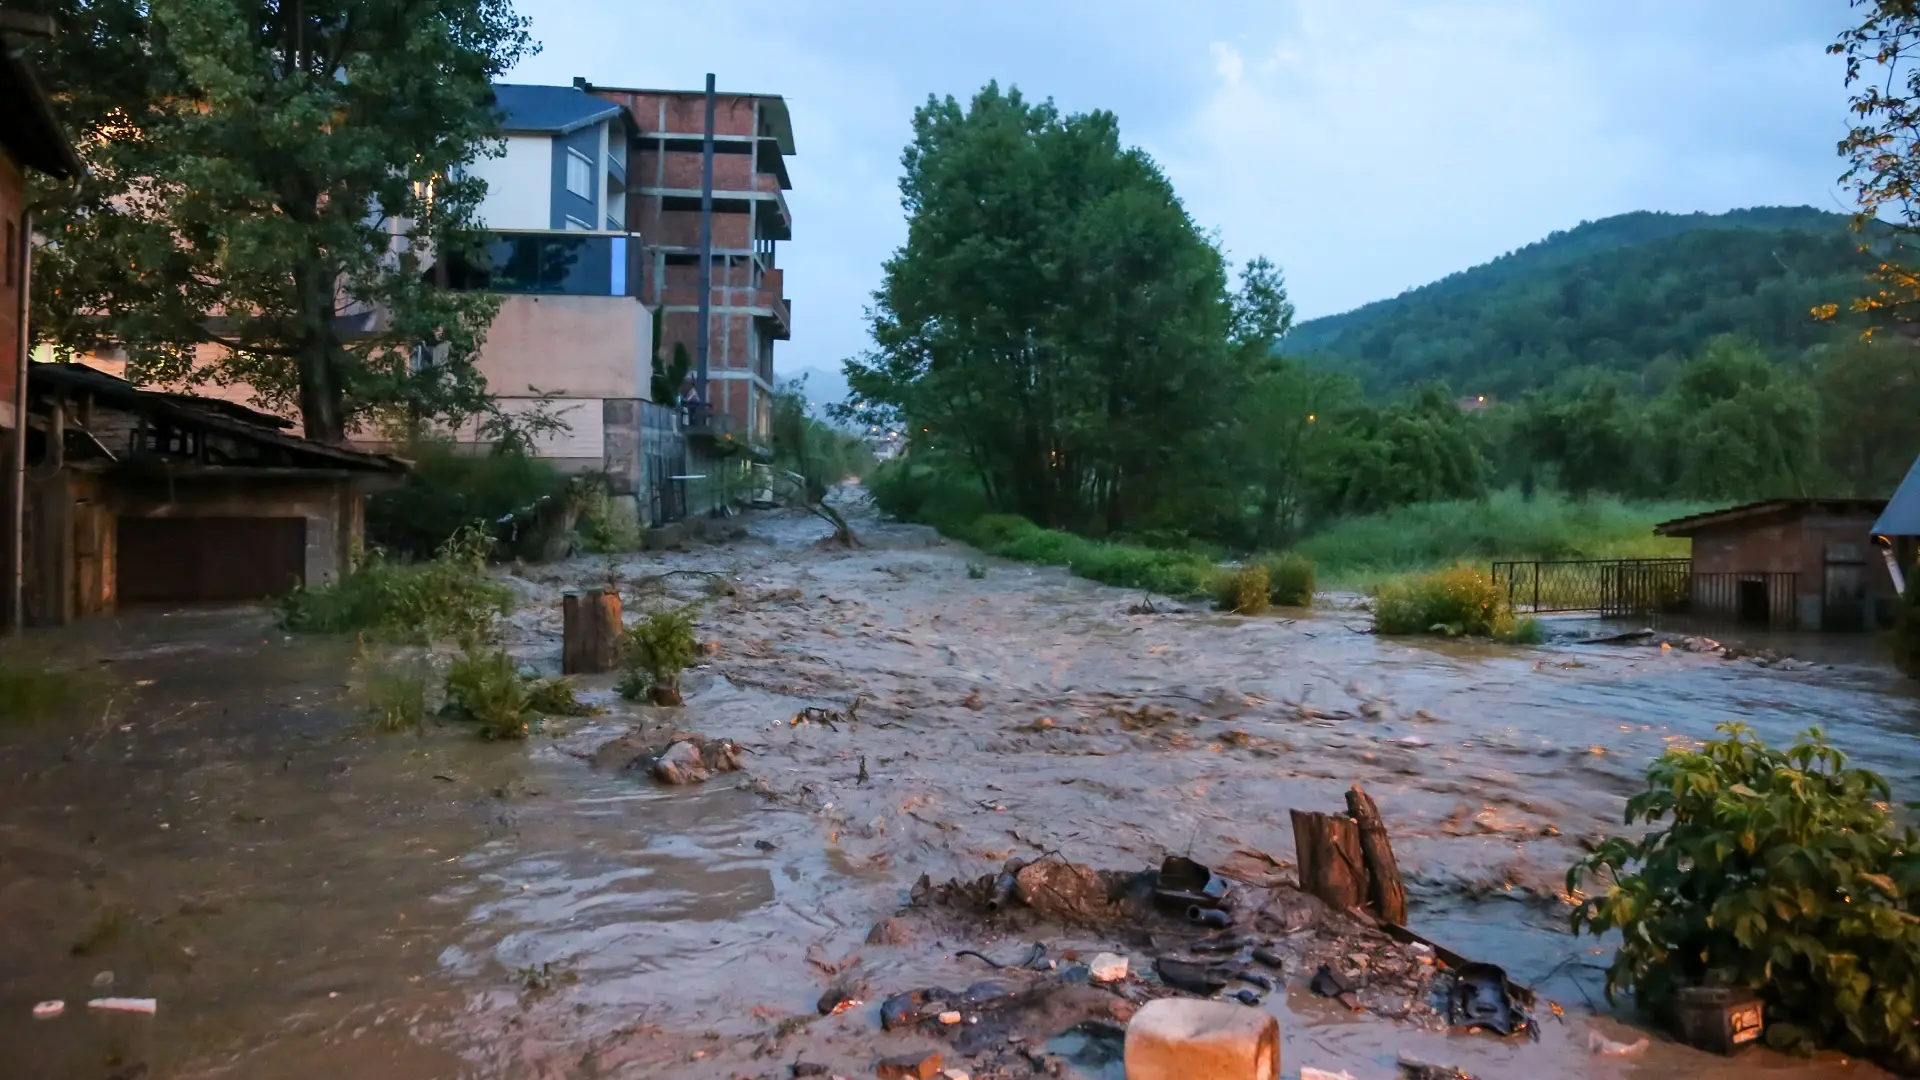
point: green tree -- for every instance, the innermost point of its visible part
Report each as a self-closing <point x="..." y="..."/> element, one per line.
<point x="1733" y="425"/>
<point x="1055" y="319"/>
<point x="1418" y="449"/>
<point x="278" y="179"/>
<point x="1882" y="149"/>
<point x="1869" y="395"/>
<point x="1591" y="436"/>
<point x="1290" y="440"/>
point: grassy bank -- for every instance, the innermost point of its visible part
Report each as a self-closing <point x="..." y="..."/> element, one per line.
<point x="1362" y="552"/>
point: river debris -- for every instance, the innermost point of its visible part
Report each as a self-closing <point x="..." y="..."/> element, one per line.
<point x="1693" y="643"/>
<point x="118" y="1004"/>
<point x="47" y="1010"/>
<point x="1482" y="997"/>
<point x="828" y="717"/>
<point x="1411" y="1069"/>
<point x="691" y="760"/>
<point x="908" y="1067"/>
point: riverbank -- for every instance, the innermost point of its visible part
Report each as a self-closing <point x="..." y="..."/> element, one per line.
<point x="304" y="899"/>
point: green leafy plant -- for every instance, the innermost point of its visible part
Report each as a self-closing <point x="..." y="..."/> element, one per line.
<point x="599" y="524"/>
<point x="1776" y="870"/>
<point x="1458" y="602"/>
<point x="36" y="688"/>
<point x="485" y="687"/>
<point x="451" y="487"/>
<point x="653" y="653"/>
<point x="1290" y="579"/>
<point x="1243" y="590"/>
<point x="447" y="597"/>
<point x="554" y="697"/>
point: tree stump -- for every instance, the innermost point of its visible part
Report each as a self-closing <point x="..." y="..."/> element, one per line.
<point x="1332" y="866"/>
<point x="1387" y="892"/>
<point x="590" y="636"/>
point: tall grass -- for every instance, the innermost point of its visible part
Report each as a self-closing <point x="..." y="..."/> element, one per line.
<point x="1169" y="573"/>
<point x="37" y="688"/>
<point x="449" y="596"/>
<point x="1363" y="551"/>
<point x="1460" y="601"/>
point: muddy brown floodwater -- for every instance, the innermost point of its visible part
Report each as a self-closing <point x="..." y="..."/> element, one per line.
<point x="307" y="900"/>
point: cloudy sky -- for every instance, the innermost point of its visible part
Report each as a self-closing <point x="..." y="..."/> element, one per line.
<point x="1367" y="146"/>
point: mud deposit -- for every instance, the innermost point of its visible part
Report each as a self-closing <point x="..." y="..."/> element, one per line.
<point x="307" y="900"/>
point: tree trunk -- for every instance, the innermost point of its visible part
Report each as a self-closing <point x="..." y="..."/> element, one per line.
<point x="1387" y="892"/>
<point x="1332" y="866"/>
<point x="322" y="397"/>
<point x="590" y="635"/>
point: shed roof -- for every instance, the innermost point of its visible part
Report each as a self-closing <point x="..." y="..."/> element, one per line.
<point x="1902" y="515"/>
<point x="228" y="418"/>
<point x="29" y="131"/>
<point x="1755" y="512"/>
<point x="554" y="110"/>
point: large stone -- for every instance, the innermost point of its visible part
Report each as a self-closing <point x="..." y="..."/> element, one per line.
<point x="909" y="1067"/>
<point x="680" y="764"/>
<point x="1182" y="1039"/>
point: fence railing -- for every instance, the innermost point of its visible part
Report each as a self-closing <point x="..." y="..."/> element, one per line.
<point x="1649" y="587"/>
<point x="1607" y="586"/>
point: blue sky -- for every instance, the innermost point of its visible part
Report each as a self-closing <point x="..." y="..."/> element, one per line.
<point x="1367" y="146"/>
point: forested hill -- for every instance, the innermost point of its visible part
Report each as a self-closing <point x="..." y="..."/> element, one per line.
<point x="1631" y="293"/>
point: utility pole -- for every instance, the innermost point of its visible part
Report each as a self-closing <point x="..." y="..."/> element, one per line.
<point x="706" y="255"/>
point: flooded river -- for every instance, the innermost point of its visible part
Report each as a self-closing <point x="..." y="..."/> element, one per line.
<point x="307" y="900"/>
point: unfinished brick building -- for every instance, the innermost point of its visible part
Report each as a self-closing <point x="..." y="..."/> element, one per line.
<point x="749" y="308"/>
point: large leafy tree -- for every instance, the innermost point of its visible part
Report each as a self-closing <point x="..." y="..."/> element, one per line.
<point x="270" y="184"/>
<point x="1055" y="320"/>
<point x="1882" y="149"/>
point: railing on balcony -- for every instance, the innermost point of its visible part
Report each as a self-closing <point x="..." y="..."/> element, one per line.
<point x="553" y="263"/>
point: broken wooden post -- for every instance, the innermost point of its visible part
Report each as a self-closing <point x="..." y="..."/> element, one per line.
<point x="590" y="634"/>
<point x="1387" y="892"/>
<point x="1332" y="866"/>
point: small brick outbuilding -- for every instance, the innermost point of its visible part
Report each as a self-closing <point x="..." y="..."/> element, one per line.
<point x="1804" y="564"/>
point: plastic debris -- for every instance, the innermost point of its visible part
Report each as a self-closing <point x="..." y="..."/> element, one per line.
<point x="1600" y="1044"/>
<point x="133" y="1005"/>
<point x="47" y="1010"/>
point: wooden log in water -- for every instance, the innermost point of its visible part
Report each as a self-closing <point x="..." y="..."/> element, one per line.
<point x="1385" y="891"/>
<point x="590" y="635"/>
<point x="1332" y="865"/>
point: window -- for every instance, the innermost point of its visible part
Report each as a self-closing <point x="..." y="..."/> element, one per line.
<point x="579" y="174"/>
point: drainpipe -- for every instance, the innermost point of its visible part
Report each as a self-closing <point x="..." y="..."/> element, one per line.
<point x="706" y="252"/>
<point x="1893" y="565"/>
<point x="17" y="480"/>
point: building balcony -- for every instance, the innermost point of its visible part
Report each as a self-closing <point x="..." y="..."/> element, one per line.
<point x="763" y="300"/>
<point x="552" y="263"/>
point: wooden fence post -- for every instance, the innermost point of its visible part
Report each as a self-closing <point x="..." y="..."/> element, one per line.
<point x="590" y="634"/>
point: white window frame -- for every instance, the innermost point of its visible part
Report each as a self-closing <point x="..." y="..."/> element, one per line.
<point x="579" y="173"/>
<point x="576" y="225"/>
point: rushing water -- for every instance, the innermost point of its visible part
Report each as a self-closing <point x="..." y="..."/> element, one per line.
<point x="304" y="900"/>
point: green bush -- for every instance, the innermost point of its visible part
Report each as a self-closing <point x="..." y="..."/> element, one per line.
<point x="599" y="524"/>
<point x="485" y="687"/>
<point x="555" y="697"/>
<point x="448" y="490"/>
<point x="449" y="596"/>
<point x="1170" y="573"/>
<point x="1458" y="602"/>
<point x="1778" y="871"/>
<point x="1291" y="576"/>
<point x="1243" y="590"/>
<point x="653" y="653"/>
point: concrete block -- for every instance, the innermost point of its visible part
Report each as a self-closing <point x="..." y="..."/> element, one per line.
<point x="1183" y="1038"/>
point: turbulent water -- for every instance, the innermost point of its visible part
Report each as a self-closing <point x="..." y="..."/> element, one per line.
<point x="306" y="900"/>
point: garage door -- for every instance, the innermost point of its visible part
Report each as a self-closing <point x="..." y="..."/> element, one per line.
<point x="187" y="560"/>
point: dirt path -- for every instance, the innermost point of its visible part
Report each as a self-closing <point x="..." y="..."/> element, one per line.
<point x="318" y="900"/>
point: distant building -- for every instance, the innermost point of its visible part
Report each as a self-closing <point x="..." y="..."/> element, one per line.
<point x="1792" y="563"/>
<point x="749" y="311"/>
<point x="1474" y="402"/>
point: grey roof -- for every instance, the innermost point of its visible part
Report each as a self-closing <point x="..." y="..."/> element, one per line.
<point x="553" y="109"/>
<point x="1902" y="515"/>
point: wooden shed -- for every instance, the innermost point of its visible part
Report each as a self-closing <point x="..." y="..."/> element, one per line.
<point x="1790" y="563"/>
<point x="137" y="496"/>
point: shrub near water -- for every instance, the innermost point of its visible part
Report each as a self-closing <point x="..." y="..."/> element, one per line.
<point x="449" y="596"/>
<point x="1778" y="871"/>
<point x="1243" y="591"/>
<point x="1290" y="577"/>
<point x="1459" y="602"/>
<point x="1170" y="573"/>
<point x="653" y="653"/>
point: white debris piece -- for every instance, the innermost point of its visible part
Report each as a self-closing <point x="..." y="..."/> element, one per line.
<point x="134" y="1005"/>
<point x="47" y="1010"/>
<point x="1106" y="968"/>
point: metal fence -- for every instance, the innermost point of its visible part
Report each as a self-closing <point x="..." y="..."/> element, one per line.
<point x="1607" y="586"/>
<point x="1751" y="598"/>
<point x="1650" y="587"/>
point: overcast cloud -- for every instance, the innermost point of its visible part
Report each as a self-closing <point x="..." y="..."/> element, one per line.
<point x="1368" y="146"/>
